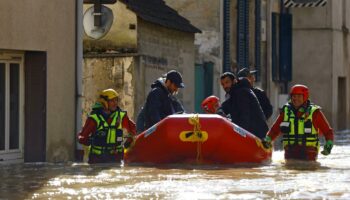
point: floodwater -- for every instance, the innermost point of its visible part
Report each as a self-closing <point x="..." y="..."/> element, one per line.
<point x="327" y="179"/>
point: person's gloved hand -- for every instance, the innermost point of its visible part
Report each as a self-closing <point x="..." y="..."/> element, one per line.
<point x="327" y="148"/>
<point x="267" y="142"/>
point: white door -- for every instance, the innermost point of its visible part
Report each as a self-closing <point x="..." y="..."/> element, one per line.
<point x="11" y="107"/>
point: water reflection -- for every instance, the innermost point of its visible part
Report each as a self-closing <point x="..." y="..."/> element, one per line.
<point x="329" y="178"/>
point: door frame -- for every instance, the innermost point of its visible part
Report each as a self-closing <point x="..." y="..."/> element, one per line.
<point x="13" y="57"/>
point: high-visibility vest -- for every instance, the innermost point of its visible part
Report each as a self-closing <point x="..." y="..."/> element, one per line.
<point x="108" y="138"/>
<point x="299" y="131"/>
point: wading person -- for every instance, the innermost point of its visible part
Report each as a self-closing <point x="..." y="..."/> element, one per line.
<point x="301" y="122"/>
<point x="103" y="129"/>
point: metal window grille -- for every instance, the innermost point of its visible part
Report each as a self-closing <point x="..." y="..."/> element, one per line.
<point x="242" y="34"/>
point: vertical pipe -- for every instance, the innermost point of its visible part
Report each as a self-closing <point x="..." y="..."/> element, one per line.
<point x="79" y="68"/>
<point x="222" y="50"/>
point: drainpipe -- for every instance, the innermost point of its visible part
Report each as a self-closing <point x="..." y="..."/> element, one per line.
<point x="222" y="48"/>
<point x="79" y="75"/>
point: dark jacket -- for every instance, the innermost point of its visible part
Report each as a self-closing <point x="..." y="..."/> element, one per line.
<point x="264" y="102"/>
<point x="244" y="109"/>
<point x="141" y="117"/>
<point x="159" y="104"/>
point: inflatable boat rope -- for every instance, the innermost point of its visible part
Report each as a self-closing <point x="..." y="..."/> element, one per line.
<point x="194" y="120"/>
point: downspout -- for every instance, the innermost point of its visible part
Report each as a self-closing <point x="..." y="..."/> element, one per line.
<point x="79" y="75"/>
<point x="222" y="46"/>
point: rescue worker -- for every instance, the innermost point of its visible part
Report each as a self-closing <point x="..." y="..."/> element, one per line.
<point x="259" y="93"/>
<point x="227" y="80"/>
<point x="161" y="100"/>
<point x="103" y="129"/>
<point x="301" y="122"/>
<point x="211" y="104"/>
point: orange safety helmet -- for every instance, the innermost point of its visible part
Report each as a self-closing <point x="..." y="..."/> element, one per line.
<point x="211" y="104"/>
<point x="300" y="89"/>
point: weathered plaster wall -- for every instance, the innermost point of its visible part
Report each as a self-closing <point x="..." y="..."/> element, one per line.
<point x="50" y="27"/>
<point x="108" y="72"/>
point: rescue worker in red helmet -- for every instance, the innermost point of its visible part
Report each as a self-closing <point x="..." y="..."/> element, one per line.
<point x="211" y="104"/>
<point x="301" y="123"/>
<point x="103" y="129"/>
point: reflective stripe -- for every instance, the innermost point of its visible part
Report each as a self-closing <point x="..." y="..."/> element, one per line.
<point x="285" y="124"/>
<point x="292" y="127"/>
<point x="308" y="130"/>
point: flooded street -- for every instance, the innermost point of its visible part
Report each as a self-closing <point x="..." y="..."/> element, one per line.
<point x="329" y="179"/>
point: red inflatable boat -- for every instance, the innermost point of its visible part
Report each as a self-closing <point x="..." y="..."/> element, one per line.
<point x="197" y="138"/>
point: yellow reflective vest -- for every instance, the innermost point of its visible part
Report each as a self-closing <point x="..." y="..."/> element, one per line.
<point x="108" y="138"/>
<point x="299" y="131"/>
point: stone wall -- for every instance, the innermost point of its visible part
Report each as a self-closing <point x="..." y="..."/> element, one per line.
<point x="111" y="71"/>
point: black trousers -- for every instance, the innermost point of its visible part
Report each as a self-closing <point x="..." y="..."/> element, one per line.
<point x="106" y="158"/>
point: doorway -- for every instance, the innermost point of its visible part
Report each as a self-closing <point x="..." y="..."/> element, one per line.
<point x="341" y="118"/>
<point x="204" y="74"/>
